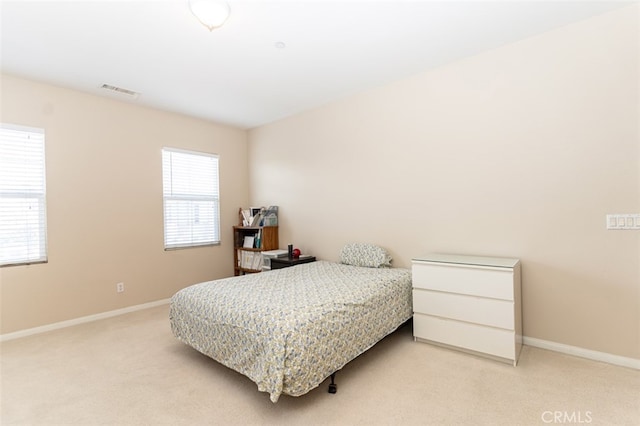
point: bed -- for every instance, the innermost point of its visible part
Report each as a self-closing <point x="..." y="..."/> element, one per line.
<point x="290" y="329"/>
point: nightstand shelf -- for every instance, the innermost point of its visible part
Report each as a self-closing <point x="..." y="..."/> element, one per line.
<point x="285" y="262"/>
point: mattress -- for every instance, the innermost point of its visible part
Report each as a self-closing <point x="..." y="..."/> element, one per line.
<point x="289" y="329"/>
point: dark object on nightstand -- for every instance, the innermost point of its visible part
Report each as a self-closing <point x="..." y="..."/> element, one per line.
<point x="285" y="262"/>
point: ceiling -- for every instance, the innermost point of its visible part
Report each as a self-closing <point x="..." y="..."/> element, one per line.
<point x="237" y="74"/>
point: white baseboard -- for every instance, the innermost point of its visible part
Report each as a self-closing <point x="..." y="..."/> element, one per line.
<point x="530" y="341"/>
<point x="81" y="320"/>
<point x="582" y="352"/>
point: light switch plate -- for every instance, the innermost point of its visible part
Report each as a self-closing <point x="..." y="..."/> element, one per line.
<point x="623" y="221"/>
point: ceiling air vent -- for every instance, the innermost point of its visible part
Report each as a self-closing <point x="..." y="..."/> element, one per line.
<point x="119" y="90"/>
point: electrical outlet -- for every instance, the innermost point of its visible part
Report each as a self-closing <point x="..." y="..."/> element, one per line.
<point x="120" y="287"/>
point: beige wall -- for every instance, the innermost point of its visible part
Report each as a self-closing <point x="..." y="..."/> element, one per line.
<point x="518" y="152"/>
<point x="105" y="220"/>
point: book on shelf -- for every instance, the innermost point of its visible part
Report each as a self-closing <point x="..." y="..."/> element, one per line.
<point x="246" y="217"/>
<point x="258" y="261"/>
<point x="256" y="219"/>
<point x="260" y="216"/>
<point x="258" y="241"/>
<point x="250" y="260"/>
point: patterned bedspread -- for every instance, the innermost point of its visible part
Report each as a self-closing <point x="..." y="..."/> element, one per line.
<point x="289" y="329"/>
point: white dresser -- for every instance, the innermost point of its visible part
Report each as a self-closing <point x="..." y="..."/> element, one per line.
<point x="470" y="303"/>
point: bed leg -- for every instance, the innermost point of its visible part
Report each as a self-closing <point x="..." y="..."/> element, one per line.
<point x="333" y="388"/>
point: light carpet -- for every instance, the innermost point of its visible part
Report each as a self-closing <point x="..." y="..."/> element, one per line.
<point x="130" y="370"/>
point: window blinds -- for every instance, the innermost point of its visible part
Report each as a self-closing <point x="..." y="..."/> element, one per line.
<point x="191" y="198"/>
<point x="23" y="217"/>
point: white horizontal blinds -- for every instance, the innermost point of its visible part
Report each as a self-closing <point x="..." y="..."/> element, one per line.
<point x="191" y="198"/>
<point x="23" y="217"/>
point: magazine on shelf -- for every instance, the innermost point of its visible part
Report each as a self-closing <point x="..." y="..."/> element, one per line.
<point x="246" y="217"/>
<point x="270" y="216"/>
<point x="260" y="216"/>
<point x="250" y="260"/>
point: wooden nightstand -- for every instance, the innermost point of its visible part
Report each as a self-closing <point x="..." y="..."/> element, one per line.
<point x="285" y="262"/>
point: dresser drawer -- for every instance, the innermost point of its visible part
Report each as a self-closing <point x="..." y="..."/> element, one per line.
<point x="492" y="312"/>
<point x="464" y="279"/>
<point x="474" y="337"/>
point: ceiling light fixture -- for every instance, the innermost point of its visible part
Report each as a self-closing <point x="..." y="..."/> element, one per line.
<point x="211" y="13"/>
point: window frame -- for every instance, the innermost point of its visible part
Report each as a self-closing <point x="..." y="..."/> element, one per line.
<point x="36" y="159"/>
<point x="190" y="199"/>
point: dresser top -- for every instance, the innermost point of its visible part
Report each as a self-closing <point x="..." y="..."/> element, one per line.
<point x="500" y="262"/>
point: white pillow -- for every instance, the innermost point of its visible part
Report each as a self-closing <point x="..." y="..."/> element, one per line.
<point x="362" y="254"/>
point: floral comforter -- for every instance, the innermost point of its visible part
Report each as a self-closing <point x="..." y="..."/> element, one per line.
<point x="289" y="329"/>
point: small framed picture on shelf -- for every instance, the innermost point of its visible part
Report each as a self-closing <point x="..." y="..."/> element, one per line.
<point x="248" y="241"/>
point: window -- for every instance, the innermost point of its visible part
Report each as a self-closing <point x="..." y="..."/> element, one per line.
<point x="191" y="198"/>
<point x="23" y="210"/>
